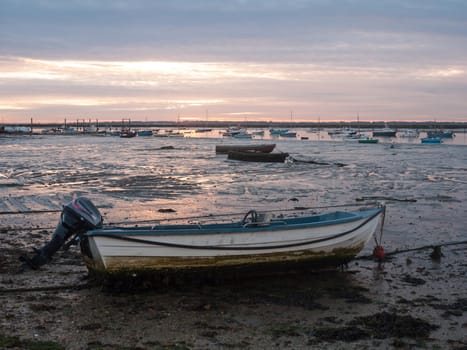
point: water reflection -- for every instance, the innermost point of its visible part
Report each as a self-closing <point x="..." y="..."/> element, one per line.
<point x="459" y="138"/>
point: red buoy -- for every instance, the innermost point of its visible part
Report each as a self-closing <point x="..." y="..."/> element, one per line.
<point x="378" y="252"/>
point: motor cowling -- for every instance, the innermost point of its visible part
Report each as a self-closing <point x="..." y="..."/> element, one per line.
<point x="77" y="217"/>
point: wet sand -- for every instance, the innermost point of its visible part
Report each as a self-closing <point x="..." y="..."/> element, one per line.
<point x="413" y="300"/>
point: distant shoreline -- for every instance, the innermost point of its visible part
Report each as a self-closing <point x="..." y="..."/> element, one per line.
<point x="247" y="124"/>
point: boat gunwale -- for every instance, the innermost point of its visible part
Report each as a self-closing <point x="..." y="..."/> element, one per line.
<point x="233" y="228"/>
<point x="366" y="219"/>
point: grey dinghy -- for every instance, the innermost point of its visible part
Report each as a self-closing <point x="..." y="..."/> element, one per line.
<point x="332" y="238"/>
<point x="257" y="241"/>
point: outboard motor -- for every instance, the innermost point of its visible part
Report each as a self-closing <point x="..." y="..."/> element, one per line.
<point x="77" y="217"/>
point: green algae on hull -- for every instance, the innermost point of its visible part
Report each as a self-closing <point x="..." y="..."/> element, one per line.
<point x="218" y="273"/>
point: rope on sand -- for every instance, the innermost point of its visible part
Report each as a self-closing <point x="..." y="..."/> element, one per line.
<point x="46" y="288"/>
<point x="400" y="251"/>
<point x="316" y="162"/>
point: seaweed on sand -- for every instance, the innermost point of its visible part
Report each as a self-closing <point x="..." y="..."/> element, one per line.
<point x="379" y="326"/>
<point x="386" y="325"/>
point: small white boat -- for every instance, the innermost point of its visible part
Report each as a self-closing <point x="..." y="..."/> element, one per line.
<point x="232" y="131"/>
<point x="258" y="244"/>
<point x="384" y="132"/>
<point x="408" y="133"/>
<point x="332" y="238"/>
<point x="175" y="134"/>
<point x="355" y="137"/>
<point x="342" y="132"/>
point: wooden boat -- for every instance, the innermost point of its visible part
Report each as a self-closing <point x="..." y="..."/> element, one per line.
<point x="264" y="148"/>
<point x="251" y="156"/>
<point x="257" y="240"/>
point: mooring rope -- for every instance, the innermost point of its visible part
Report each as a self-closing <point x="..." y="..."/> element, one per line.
<point x="27" y="212"/>
<point x="400" y="251"/>
<point x="46" y="288"/>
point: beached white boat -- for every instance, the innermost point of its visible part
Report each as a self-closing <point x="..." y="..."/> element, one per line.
<point x="258" y="243"/>
<point x="333" y="238"/>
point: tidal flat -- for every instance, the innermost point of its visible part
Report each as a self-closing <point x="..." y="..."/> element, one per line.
<point x="414" y="299"/>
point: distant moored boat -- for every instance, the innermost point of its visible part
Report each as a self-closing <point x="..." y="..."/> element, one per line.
<point x="431" y="140"/>
<point x="145" y="133"/>
<point x="385" y="132"/>
<point x="441" y="134"/>
<point x="264" y="148"/>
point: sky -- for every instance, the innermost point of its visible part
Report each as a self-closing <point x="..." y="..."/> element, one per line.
<point x="239" y="60"/>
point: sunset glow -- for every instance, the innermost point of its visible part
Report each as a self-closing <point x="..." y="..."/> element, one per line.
<point x="317" y="69"/>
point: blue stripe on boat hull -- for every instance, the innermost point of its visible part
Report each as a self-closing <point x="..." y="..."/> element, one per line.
<point x="335" y="218"/>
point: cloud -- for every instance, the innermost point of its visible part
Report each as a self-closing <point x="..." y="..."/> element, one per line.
<point x="326" y="57"/>
<point x="226" y="30"/>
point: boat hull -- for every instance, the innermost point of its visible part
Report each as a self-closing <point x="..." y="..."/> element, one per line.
<point x="258" y="156"/>
<point x="384" y="133"/>
<point x="335" y="239"/>
<point x="440" y="134"/>
<point x="368" y="141"/>
<point x="264" y="148"/>
<point x="434" y="140"/>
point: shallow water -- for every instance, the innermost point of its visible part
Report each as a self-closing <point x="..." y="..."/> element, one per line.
<point x="459" y="137"/>
<point x="132" y="179"/>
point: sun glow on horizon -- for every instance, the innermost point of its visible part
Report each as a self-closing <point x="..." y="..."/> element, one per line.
<point x="237" y="90"/>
